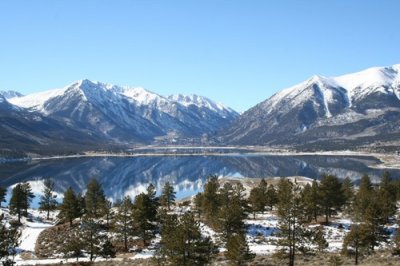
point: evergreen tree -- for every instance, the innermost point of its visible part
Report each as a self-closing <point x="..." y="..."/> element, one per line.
<point x="396" y="240"/>
<point x="168" y="196"/>
<point x="233" y="210"/>
<point x="91" y="237"/>
<point x="124" y="224"/>
<point x="95" y="200"/>
<point x="356" y="241"/>
<point x="256" y="201"/>
<point x="20" y="199"/>
<point x="319" y="239"/>
<point x="182" y="242"/>
<point x="259" y="197"/>
<point x="373" y="222"/>
<point x="293" y="234"/>
<point x="81" y="201"/>
<point x="363" y="198"/>
<point x="3" y="193"/>
<point x="108" y="212"/>
<point x="387" y="197"/>
<point x="311" y="200"/>
<point x="69" y="209"/>
<point x="238" y="251"/>
<point x="198" y="204"/>
<point x="73" y="246"/>
<point x="272" y="197"/>
<point x="331" y="195"/>
<point x="48" y="200"/>
<point x="145" y="214"/>
<point x="9" y="241"/>
<point x="211" y="201"/>
<point x="348" y="194"/>
<point x="107" y="250"/>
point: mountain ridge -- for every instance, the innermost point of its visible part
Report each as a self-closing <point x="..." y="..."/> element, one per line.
<point x="123" y="115"/>
<point x="358" y="108"/>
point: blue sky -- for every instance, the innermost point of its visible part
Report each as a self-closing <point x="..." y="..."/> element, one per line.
<point x="235" y="52"/>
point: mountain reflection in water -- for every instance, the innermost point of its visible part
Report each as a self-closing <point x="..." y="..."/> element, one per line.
<point x="122" y="176"/>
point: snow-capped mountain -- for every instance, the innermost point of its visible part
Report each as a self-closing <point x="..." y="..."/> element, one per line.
<point x="10" y="94"/>
<point x="360" y="108"/>
<point x="26" y="131"/>
<point x="125" y="114"/>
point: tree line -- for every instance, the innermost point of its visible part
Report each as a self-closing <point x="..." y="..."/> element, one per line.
<point x="223" y="208"/>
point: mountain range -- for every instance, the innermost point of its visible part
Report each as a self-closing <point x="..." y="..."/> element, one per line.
<point x="356" y="110"/>
<point x="87" y="112"/>
<point x="322" y="113"/>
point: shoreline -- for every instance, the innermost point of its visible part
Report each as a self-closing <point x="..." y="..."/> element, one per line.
<point x="387" y="161"/>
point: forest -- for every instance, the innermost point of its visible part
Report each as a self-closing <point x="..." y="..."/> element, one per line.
<point x="211" y="226"/>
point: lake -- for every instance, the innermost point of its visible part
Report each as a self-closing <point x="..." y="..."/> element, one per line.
<point x="122" y="176"/>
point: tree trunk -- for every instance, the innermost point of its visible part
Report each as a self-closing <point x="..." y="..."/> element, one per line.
<point x="126" y="242"/>
<point x="48" y="214"/>
<point x="326" y="216"/>
<point x="357" y="255"/>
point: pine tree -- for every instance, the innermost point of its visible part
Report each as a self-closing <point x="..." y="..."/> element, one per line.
<point x="91" y="237"/>
<point x="374" y="221"/>
<point x="108" y="212"/>
<point x="363" y="198"/>
<point x="124" y="223"/>
<point x="3" y="193"/>
<point x="95" y="200"/>
<point x="182" y="242"/>
<point x="255" y="200"/>
<point x="356" y="241"/>
<point x="311" y="201"/>
<point x="81" y="207"/>
<point x="21" y="197"/>
<point x="293" y="234"/>
<point x="9" y="241"/>
<point x="69" y="208"/>
<point x="348" y="194"/>
<point x="396" y="240"/>
<point x="319" y="239"/>
<point x="233" y="210"/>
<point x="211" y="201"/>
<point x="145" y="214"/>
<point x="387" y="197"/>
<point x="272" y="197"/>
<point x="238" y="251"/>
<point x="259" y="197"/>
<point x="198" y="204"/>
<point x="73" y="246"/>
<point x="48" y="200"/>
<point x="107" y="250"/>
<point x="331" y="195"/>
<point x="168" y="196"/>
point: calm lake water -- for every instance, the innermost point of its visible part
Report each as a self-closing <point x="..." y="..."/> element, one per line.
<point x="122" y="176"/>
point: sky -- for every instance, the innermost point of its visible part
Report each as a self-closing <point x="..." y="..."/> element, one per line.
<point x="235" y="52"/>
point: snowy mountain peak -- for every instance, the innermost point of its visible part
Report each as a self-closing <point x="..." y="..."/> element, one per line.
<point x="199" y="101"/>
<point x="10" y="94"/>
<point x="371" y="77"/>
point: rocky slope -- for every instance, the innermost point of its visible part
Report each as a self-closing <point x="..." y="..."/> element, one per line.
<point x="326" y="113"/>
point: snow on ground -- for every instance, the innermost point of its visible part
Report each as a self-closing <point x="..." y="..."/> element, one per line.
<point x="261" y="235"/>
<point x="31" y="230"/>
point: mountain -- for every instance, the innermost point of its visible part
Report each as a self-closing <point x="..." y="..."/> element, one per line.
<point x="357" y="109"/>
<point x="125" y="115"/>
<point x="10" y="94"/>
<point x="23" y="131"/>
